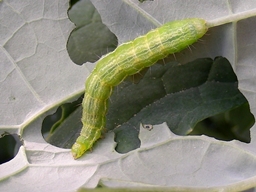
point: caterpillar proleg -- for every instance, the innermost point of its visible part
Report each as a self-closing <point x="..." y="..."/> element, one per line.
<point x="128" y="59"/>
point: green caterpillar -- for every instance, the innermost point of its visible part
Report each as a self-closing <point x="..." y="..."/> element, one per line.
<point x="128" y="59"/>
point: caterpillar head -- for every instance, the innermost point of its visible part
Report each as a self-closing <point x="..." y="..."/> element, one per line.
<point x="80" y="147"/>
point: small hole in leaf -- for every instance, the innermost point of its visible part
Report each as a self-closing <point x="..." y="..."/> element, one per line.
<point x="10" y="144"/>
<point x="62" y="128"/>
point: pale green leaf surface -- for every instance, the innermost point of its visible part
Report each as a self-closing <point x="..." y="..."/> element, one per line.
<point x="36" y="75"/>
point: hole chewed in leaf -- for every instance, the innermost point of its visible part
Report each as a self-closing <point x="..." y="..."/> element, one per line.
<point x="62" y="128"/>
<point x="182" y="96"/>
<point x="10" y="144"/>
<point x="200" y="97"/>
<point x="91" y="38"/>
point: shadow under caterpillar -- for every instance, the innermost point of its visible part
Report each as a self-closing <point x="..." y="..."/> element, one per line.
<point x="128" y="59"/>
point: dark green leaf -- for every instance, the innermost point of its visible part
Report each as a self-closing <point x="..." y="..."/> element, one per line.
<point x="91" y="38"/>
<point x="182" y="96"/>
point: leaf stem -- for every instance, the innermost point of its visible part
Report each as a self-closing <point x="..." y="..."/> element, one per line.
<point x="231" y="18"/>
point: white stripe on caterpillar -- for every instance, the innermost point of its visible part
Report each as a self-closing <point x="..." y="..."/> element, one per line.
<point x="128" y="59"/>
